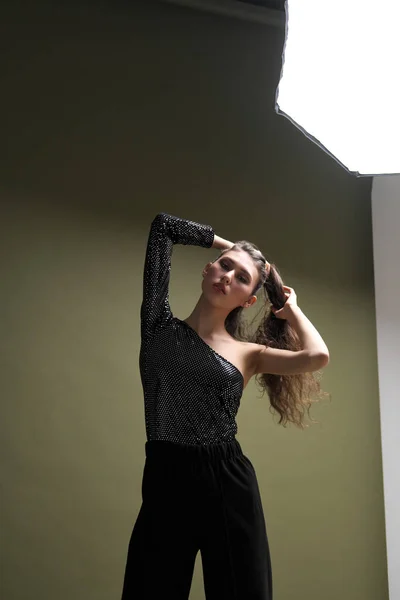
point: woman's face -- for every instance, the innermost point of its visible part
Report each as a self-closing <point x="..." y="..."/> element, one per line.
<point x="230" y="280"/>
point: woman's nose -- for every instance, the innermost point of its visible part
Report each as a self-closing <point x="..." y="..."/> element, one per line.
<point x="226" y="277"/>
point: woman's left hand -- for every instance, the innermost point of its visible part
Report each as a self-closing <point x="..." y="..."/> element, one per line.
<point x="291" y="302"/>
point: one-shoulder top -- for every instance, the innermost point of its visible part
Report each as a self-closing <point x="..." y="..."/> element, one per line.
<point x="191" y="393"/>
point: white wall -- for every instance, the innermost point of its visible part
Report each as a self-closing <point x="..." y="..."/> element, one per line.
<point x="386" y="240"/>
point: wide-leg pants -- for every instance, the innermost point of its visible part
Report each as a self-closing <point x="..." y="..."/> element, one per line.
<point x="198" y="498"/>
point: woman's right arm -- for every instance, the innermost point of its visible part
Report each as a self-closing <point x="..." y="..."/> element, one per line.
<point x="221" y="244"/>
<point x="165" y="231"/>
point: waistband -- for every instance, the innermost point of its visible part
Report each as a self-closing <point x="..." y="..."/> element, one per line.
<point x="166" y="450"/>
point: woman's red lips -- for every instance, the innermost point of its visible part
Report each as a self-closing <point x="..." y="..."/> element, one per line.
<point x="220" y="288"/>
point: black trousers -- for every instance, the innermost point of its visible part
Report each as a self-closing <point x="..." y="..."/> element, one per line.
<point x="198" y="498"/>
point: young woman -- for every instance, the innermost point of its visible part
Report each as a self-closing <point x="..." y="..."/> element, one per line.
<point x="199" y="491"/>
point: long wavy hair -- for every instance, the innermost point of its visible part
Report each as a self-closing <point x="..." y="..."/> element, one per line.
<point x="291" y="396"/>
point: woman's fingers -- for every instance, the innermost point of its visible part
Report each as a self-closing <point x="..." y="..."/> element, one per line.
<point x="288" y="290"/>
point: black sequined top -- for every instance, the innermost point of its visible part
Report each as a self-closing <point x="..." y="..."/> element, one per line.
<point x="191" y="393"/>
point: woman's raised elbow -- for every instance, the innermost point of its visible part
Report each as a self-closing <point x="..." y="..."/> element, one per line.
<point x="319" y="360"/>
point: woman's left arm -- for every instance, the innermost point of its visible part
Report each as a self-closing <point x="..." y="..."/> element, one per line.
<point x="314" y="354"/>
<point x="309" y="337"/>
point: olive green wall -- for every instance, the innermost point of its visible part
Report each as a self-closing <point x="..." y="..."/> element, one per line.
<point x="110" y="115"/>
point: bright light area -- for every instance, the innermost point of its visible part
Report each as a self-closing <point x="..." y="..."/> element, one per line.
<point x="340" y="79"/>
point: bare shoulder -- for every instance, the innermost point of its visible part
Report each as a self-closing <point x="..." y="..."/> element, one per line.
<point x="247" y="353"/>
<point x="252" y="352"/>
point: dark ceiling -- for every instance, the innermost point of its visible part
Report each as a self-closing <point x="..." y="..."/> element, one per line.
<point x="274" y="4"/>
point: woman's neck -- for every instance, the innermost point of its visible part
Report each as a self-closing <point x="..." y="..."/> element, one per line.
<point x="208" y="321"/>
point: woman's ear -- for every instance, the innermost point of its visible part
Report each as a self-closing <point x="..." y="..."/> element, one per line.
<point x="208" y="265"/>
<point x="252" y="300"/>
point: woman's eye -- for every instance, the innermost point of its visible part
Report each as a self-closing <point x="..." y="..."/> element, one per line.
<point x="240" y="277"/>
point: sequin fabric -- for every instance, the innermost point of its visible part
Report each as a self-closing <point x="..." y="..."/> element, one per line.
<point x="191" y="393"/>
